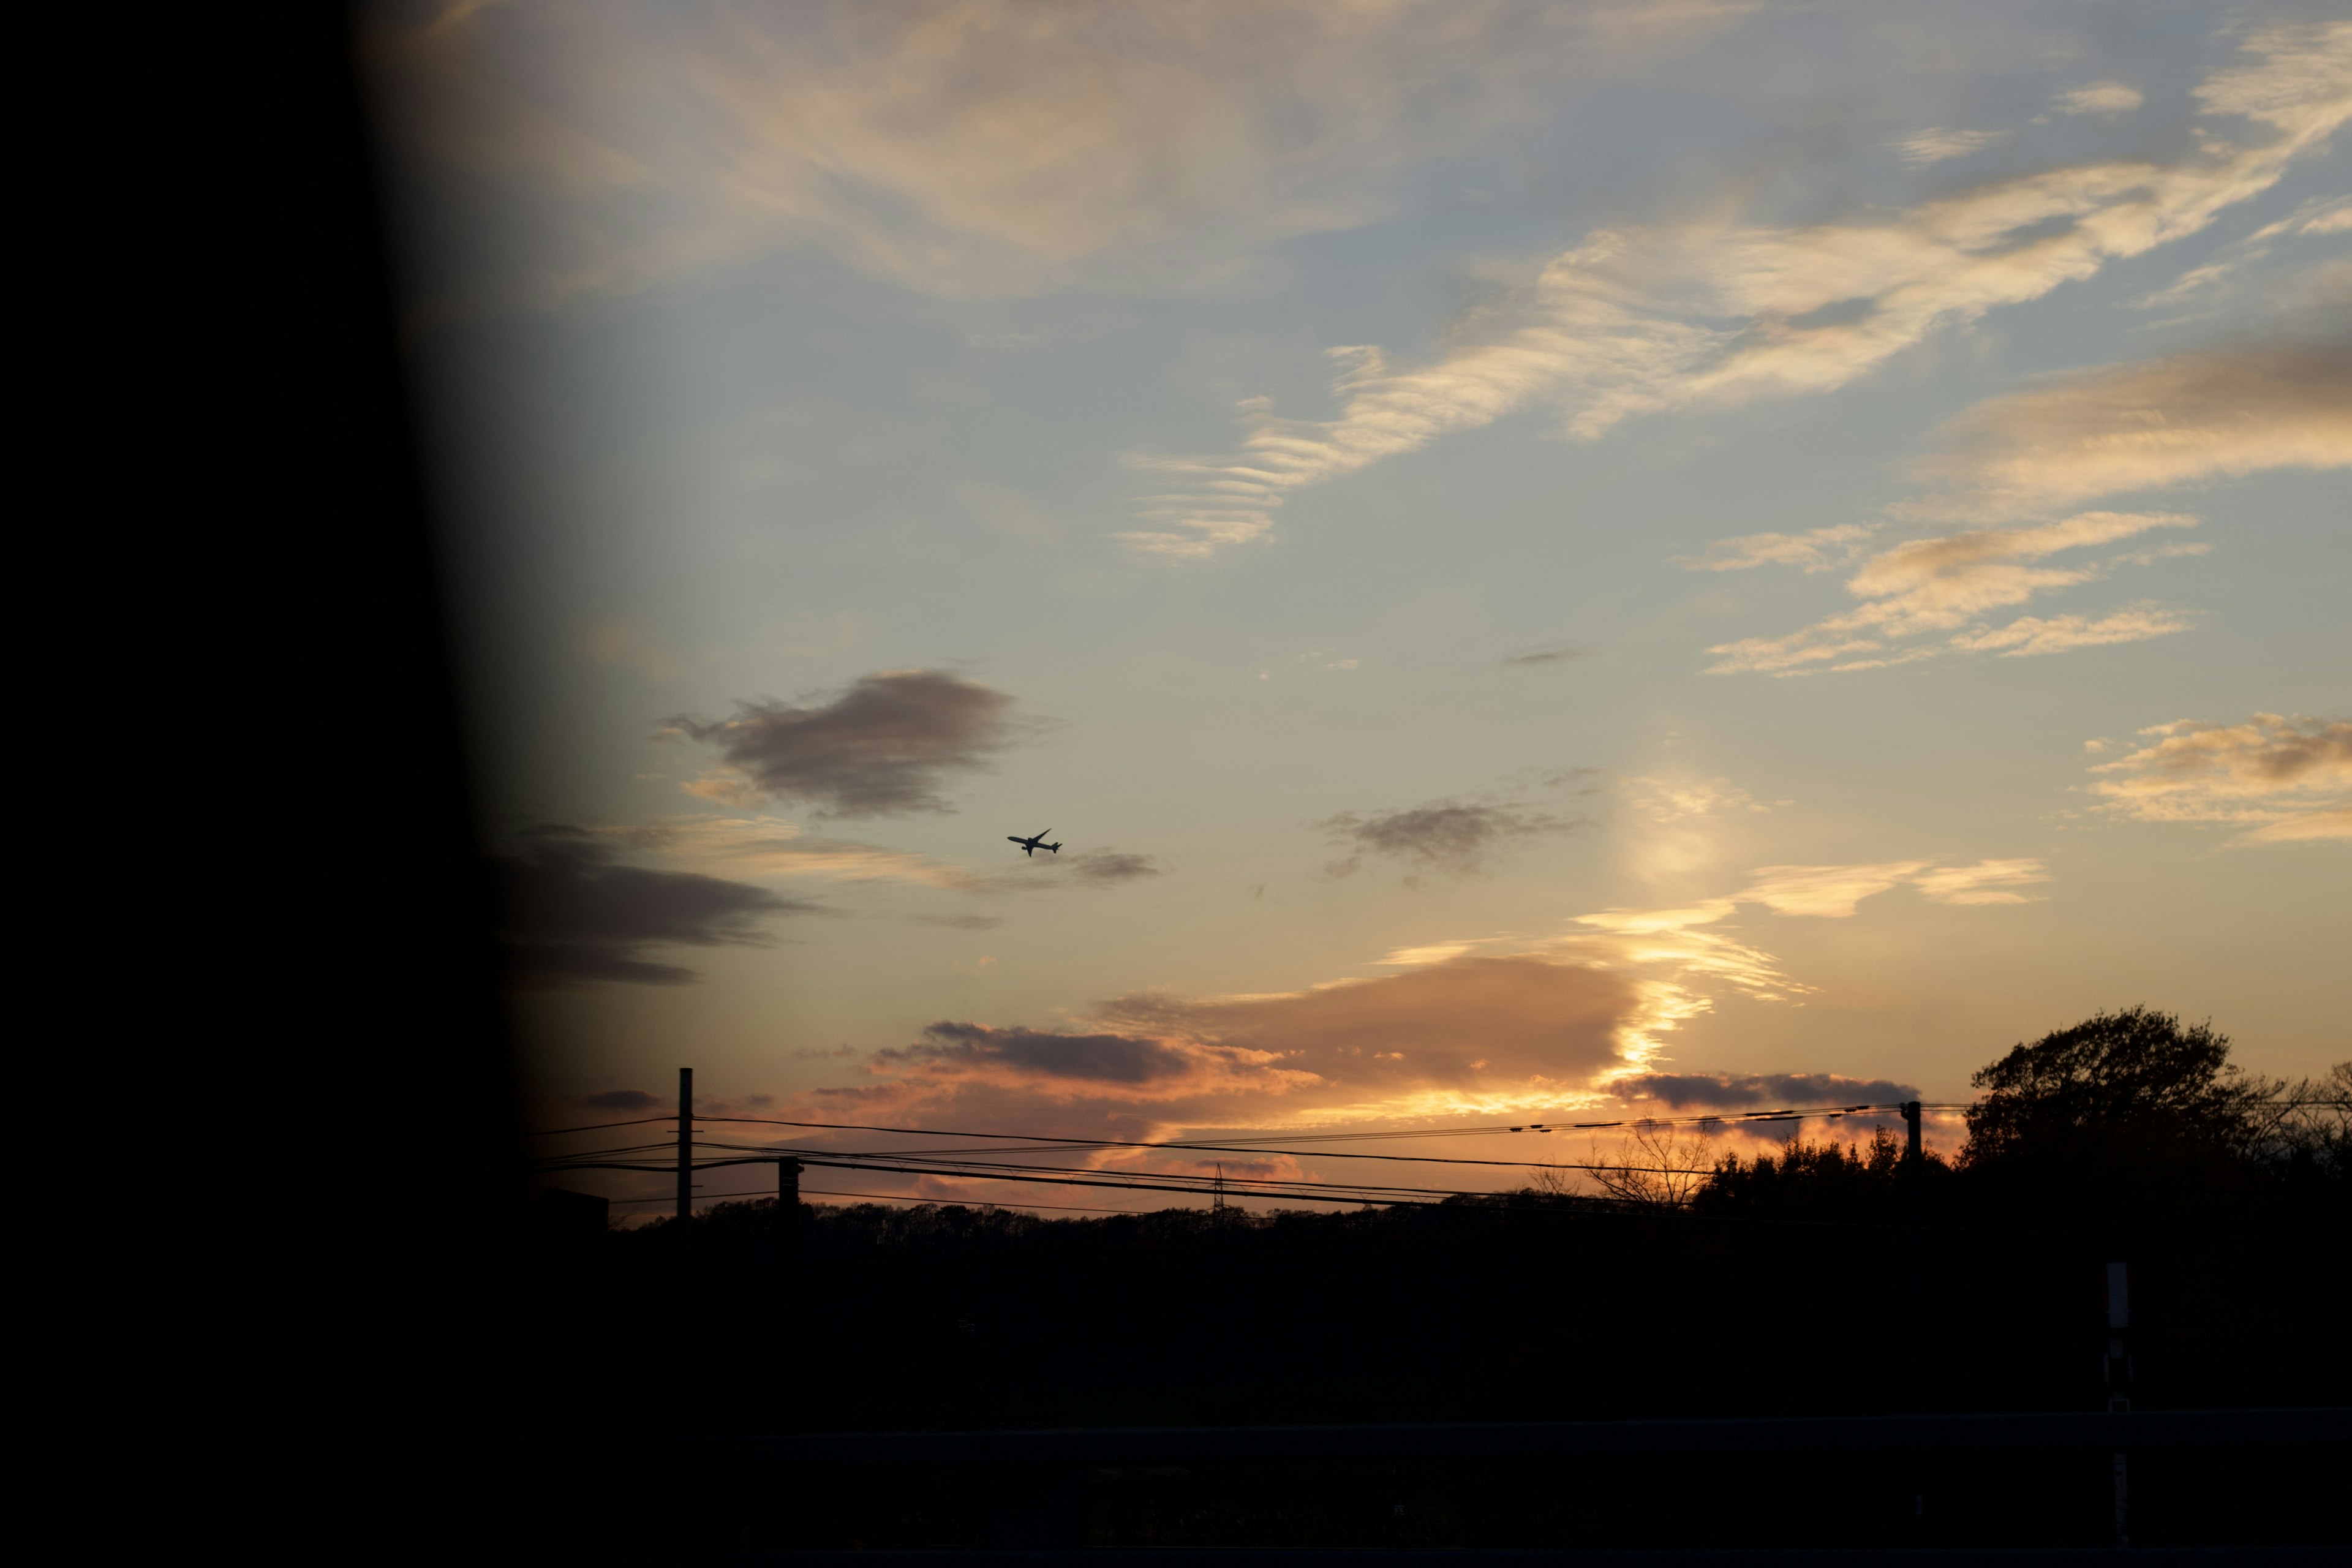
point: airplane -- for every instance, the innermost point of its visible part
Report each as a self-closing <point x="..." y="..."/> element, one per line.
<point x="1031" y="846"/>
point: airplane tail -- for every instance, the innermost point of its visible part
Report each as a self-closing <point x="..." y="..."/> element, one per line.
<point x="1054" y="848"/>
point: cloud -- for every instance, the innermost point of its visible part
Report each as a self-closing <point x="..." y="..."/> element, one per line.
<point x="1116" y="1061"/>
<point x="2320" y="215"/>
<point x="963" y="148"/>
<point x="959" y="923"/>
<point x="2098" y="98"/>
<point x="2317" y="827"/>
<point x="1934" y="145"/>
<point x="2291" y="776"/>
<point x="1468" y="1035"/>
<point x="1106" y="866"/>
<point x="1663" y="801"/>
<point x="882" y="748"/>
<point x="2031" y="635"/>
<point x="1638" y="320"/>
<point x="1820" y="550"/>
<point x="770" y="847"/>
<point x="620" y="1100"/>
<point x="1986" y="882"/>
<point x="1941" y="584"/>
<point x="1833" y="892"/>
<point x="1726" y="1091"/>
<point x="1824" y="892"/>
<point x="1441" y="834"/>
<point x="1524" y="1021"/>
<point x="2184" y="419"/>
<point x="572" y="913"/>
<point x="1551" y="653"/>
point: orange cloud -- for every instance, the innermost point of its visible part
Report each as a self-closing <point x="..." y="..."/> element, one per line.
<point x="1466" y="1035"/>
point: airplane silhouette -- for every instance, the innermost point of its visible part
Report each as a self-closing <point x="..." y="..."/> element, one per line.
<point x="1031" y="846"/>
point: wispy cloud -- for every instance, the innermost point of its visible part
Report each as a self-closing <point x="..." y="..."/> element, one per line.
<point x="2184" y="419"/>
<point x="1637" y="320"/>
<point x="2151" y="425"/>
<point x="1439" y="834"/>
<point x="884" y="747"/>
<point x="1943" y="585"/>
<point x="968" y="147"/>
<point x="2290" y="778"/>
<point x="770" y="847"/>
<point x="1986" y="882"/>
<point x="1676" y="800"/>
<point x="2106" y="98"/>
<point x="1816" y="550"/>
<point x="2319" y="216"/>
<point x="1938" y="145"/>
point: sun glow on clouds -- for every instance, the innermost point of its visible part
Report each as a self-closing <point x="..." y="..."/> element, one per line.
<point x="1943" y="585"/>
<point x="1640" y="321"/>
<point x="1548" y="1023"/>
<point x="2289" y="777"/>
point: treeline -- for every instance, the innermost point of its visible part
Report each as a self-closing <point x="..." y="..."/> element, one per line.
<point x="1775" y="1286"/>
<point x="1781" y="1286"/>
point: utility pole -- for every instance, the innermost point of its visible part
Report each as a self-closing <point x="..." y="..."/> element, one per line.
<point x="684" y="1146"/>
<point x="684" y="1260"/>
<point x="2119" y="1382"/>
<point x="1914" y="1336"/>
<point x="788" y="1204"/>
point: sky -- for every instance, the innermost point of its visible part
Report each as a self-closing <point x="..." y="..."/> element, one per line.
<point x="1542" y="561"/>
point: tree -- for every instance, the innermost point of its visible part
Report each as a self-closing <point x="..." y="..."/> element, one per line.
<point x="2134" y="1079"/>
<point x="1655" y="1167"/>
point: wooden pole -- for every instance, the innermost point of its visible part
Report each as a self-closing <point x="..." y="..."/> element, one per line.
<point x="685" y="1144"/>
<point x="684" y="1257"/>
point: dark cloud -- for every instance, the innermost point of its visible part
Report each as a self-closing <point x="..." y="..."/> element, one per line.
<point x="1722" y="1090"/>
<point x="1118" y="1059"/>
<point x="959" y="923"/>
<point x="620" y="1100"/>
<point x="1551" y="653"/>
<point x="1442" y="835"/>
<point x="573" y="914"/>
<point x="883" y="748"/>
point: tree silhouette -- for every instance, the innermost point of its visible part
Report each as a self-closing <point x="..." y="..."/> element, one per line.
<point x="2132" y="1078"/>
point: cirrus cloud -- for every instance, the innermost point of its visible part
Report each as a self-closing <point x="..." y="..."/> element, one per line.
<point x="1639" y="320"/>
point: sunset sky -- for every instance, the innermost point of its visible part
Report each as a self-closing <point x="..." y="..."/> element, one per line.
<point x="1542" y="560"/>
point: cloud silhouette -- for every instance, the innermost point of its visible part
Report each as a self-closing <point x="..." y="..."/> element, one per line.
<point x="573" y="914"/>
<point x="1440" y="835"/>
<point x="1099" y="1059"/>
<point x="1728" y="1091"/>
<point x="620" y="1100"/>
<point x="883" y="748"/>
